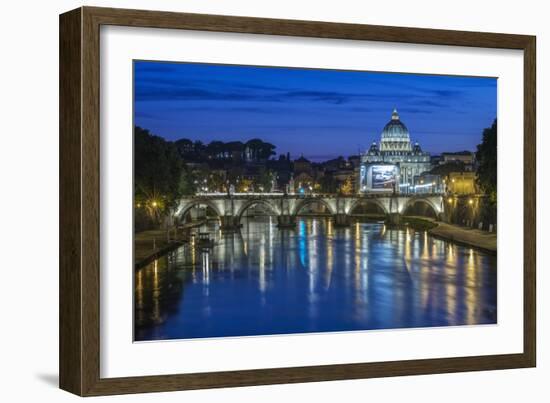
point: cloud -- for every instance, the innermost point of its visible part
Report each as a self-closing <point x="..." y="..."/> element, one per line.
<point x="429" y="102"/>
<point x="416" y="111"/>
<point x="161" y="93"/>
<point x="183" y="92"/>
<point x="331" y="97"/>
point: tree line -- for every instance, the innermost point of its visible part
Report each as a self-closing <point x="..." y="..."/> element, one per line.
<point x="487" y="171"/>
<point x="252" y="150"/>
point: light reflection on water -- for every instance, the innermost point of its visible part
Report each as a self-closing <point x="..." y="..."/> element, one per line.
<point x="316" y="278"/>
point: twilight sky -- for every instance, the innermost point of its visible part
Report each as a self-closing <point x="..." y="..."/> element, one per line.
<point x="318" y="113"/>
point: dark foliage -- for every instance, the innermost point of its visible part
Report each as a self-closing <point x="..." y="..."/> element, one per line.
<point x="446" y="169"/>
<point x="159" y="178"/>
<point x="487" y="157"/>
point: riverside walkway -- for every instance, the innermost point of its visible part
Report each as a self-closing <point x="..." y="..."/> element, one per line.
<point x="149" y="245"/>
<point x="466" y="236"/>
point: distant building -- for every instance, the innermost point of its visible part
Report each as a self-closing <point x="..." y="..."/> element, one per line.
<point x="282" y="167"/>
<point x="435" y="160"/>
<point x="467" y="158"/>
<point x="334" y="164"/>
<point x="354" y="160"/>
<point x="392" y="164"/>
<point x="341" y="175"/>
<point x="303" y="165"/>
<point x="303" y="175"/>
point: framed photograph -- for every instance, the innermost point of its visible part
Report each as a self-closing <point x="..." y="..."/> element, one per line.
<point x="249" y="201"/>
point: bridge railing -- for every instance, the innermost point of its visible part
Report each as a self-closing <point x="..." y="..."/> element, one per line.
<point x="269" y="195"/>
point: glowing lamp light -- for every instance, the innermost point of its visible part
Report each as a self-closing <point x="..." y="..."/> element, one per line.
<point x="154" y="204"/>
<point x="470" y="201"/>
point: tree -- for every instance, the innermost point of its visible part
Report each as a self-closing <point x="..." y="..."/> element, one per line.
<point x="184" y="146"/>
<point x="158" y="170"/>
<point x="244" y="185"/>
<point x="347" y="186"/>
<point x="487" y="158"/>
<point x="187" y="182"/>
<point x="265" y="181"/>
<point x="487" y="173"/>
<point x="216" y="149"/>
<point x="260" y="150"/>
<point x="445" y="169"/>
<point x="217" y="182"/>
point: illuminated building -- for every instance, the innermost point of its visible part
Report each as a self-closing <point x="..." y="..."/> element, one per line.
<point x="393" y="163"/>
<point x="461" y="183"/>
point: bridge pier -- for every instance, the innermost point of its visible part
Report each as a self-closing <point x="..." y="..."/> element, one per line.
<point x="341" y="220"/>
<point x="394" y="218"/>
<point x="229" y="223"/>
<point x="286" y="221"/>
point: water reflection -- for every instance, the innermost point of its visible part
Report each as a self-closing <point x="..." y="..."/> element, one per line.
<point x="316" y="278"/>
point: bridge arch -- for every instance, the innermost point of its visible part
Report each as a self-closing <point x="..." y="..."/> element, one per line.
<point x="306" y="202"/>
<point x="255" y="202"/>
<point x="364" y="202"/>
<point x="193" y="203"/>
<point x="435" y="208"/>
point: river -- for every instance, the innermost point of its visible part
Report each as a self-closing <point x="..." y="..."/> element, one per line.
<point x="315" y="278"/>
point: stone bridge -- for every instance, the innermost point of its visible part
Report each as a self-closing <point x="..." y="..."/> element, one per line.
<point x="230" y="208"/>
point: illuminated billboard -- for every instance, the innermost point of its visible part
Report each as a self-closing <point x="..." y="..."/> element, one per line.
<point x="383" y="176"/>
<point x="378" y="177"/>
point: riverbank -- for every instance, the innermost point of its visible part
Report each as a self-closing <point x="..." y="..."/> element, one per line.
<point x="486" y="241"/>
<point x="152" y="244"/>
<point x="419" y="224"/>
<point x="483" y="240"/>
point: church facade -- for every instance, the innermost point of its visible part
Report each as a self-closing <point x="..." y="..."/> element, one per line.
<point x="394" y="163"/>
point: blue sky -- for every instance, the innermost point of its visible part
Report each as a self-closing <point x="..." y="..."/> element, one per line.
<point x="318" y="113"/>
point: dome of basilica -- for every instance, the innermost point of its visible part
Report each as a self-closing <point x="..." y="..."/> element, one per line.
<point x="395" y="130"/>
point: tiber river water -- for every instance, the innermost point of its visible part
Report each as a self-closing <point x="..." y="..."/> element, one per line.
<point x="316" y="278"/>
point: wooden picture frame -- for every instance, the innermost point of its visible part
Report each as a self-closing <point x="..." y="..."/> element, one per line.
<point x="80" y="199"/>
